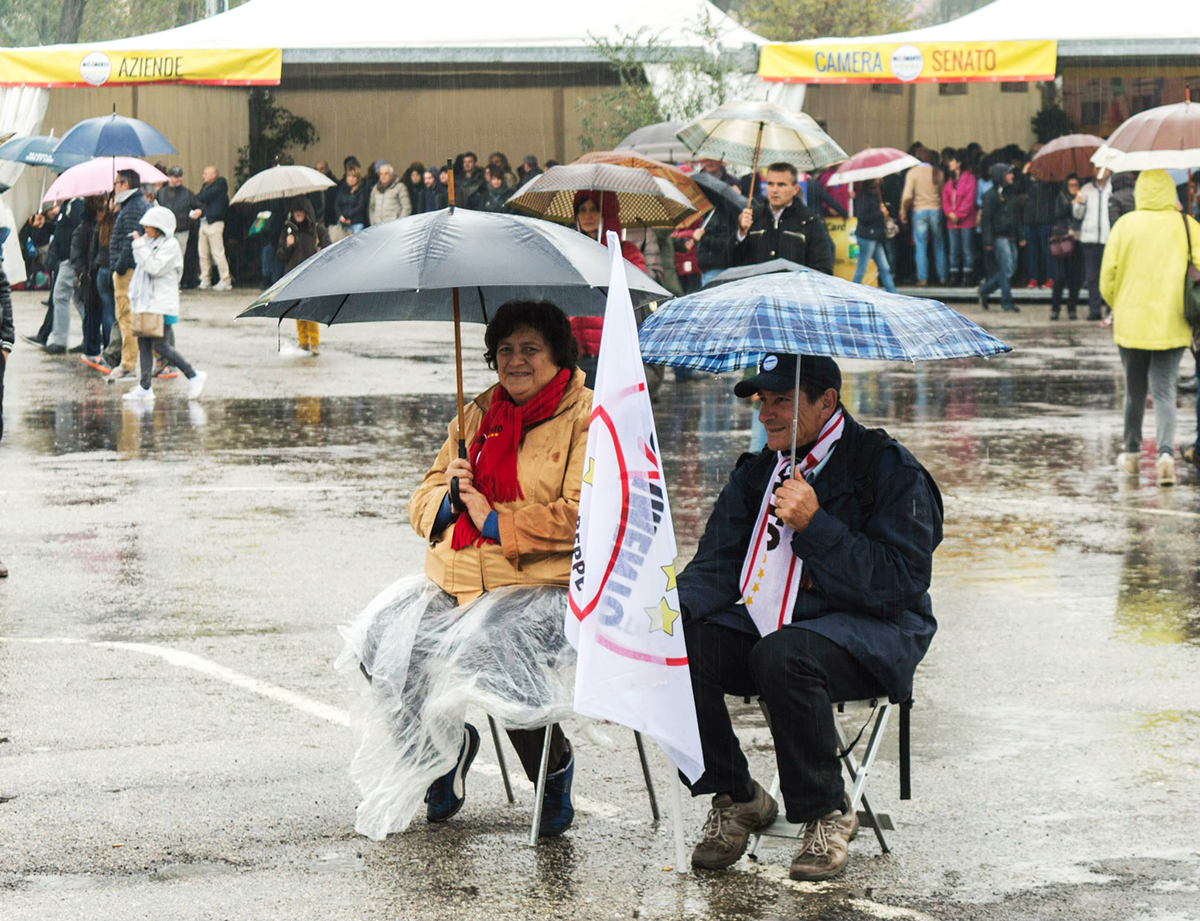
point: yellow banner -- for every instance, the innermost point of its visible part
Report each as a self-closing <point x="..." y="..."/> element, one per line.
<point x="204" y="66"/>
<point x="919" y="62"/>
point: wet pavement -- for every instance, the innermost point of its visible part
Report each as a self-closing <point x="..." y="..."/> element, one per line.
<point x="172" y="737"/>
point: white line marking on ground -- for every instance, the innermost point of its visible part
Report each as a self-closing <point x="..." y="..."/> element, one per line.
<point x="196" y="663"/>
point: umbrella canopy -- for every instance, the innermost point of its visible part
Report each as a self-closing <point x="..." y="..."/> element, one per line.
<point x="657" y="141"/>
<point x="281" y="182"/>
<point x="1167" y="137"/>
<point x="95" y="177"/>
<point x="114" y="136"/>
<point x="748" y="132"/>
<point x="873" y="163"/>
<point x="682" y="181"/>
<point x="405" y="270"/>
<point x="730" y="327"/>
<point x="1063" y="156"/>
<point x="770" y="267"/>
<point x="720" y="192"/>
<point x="38" y="150"/>
<point x="643" y="200"/>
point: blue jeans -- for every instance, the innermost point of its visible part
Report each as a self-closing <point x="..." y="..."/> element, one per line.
<point x="1006" y="264"/>
<point x="962" y="250"/>
<point x="355" y="228"/>
<point x="108" y="303"/>
<point x="926" y="223"/>
<point x="1039" y="266"/>
<point x="873" y="249"/>
<point x="708" y="275"/>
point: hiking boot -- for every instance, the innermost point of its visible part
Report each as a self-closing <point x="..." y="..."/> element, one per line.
<point x="825" y="847"/>
<point x="558" y="808"/>
<point x="1127" y="462"/>
<point x="447" y="794"/>
<point x="728" y="828"/>
<point x="1164" y="470"/>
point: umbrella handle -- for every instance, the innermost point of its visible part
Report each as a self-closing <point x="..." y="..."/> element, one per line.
<point x="456" y="502"/>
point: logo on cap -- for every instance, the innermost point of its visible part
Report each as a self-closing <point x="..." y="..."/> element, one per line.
<point x="770" y="362"/>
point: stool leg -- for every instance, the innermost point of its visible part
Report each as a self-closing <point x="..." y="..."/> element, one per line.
<point x="875" y="825"/>
<point x="539" y="790"/>
<point x="757" y="839"/>
<point x="646" y="774"/>
<point x="500" y="759"/>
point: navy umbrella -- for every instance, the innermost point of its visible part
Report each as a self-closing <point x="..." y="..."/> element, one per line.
<point x="114" y="136"/>
<point x="39" y="150"/>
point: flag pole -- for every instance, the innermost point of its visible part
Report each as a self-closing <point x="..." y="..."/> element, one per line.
<point x="795" y="414"/>
<point x="681" y="863"/>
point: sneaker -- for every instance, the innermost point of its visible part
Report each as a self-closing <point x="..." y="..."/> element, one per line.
<point x="1032" y="283"/>
<point x="314" y="350"/>
<point x="558" y="807"/>
<point x="223" y="286"/>
<point x="1127" y="462"/>
<point x="119" y="374"/>
<point x="1048" y="286"/>
<point x="728" y="828"/>
<point x="54" y="349"/>
<point x="1187" y="384"/>
<point x="33" y="340"/>
<point x="825" y="847"/>
<point x="196" y="385"/>
<point x="447" y="794"/>
<point x="1011" y="308"/>
<point x="1164" y="470"/>
<point x="204" y="285"/>
<point x="139" y="394"/>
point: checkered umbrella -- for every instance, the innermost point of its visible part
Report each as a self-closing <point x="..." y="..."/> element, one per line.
<point x="731" y="326"/>
<point x="750" y="132"/>
<point x="643" y="200"/>
<point x="673" y="174"/>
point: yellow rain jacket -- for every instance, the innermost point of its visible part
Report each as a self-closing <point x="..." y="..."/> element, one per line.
<point x="537" y="533"/>
<point x="1144" y="264"/>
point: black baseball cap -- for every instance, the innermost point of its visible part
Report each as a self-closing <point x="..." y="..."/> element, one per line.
<point x="778" y="372"/>
<point x="175" y="171"/>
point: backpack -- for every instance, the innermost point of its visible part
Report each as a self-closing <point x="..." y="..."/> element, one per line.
<point x="867" y="453"/>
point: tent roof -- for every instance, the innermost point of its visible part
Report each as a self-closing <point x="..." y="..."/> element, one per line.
<point x="1083" y="28"/>
<point x="402" y="31"/>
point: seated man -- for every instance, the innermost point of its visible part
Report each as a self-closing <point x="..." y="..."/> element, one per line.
<point x="805" y="592"/>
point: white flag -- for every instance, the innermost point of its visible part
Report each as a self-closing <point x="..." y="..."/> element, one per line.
<point x="623" y="617"/>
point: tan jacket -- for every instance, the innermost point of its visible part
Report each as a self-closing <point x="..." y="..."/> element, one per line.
<point x="537" y="533"/>
<point x="922" y="190"/>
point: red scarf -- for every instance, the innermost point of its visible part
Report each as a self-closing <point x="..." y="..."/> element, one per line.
<point x="493" y="451"/>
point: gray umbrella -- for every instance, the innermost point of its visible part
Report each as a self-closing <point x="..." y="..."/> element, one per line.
<point x="720" y="192"/>
<point x="407" y="269"/>
<point x="657" y="141"/>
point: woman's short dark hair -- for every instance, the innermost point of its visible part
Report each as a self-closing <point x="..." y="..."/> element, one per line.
<point x="542" y="316"/>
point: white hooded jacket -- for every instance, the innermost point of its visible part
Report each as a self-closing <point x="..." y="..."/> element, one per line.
<point x="154" y="287"/>
<point x="1095" y="228"/>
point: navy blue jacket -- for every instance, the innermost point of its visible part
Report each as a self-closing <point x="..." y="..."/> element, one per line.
<point x="871" y="573"/>
<point x="120" y="247"/>
<point x="214" y="199"/>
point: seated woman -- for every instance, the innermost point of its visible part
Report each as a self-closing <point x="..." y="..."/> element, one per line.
<point x="484" y="626"/>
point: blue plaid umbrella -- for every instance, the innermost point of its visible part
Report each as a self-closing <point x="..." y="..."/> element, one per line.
<point x="731" y="326"/>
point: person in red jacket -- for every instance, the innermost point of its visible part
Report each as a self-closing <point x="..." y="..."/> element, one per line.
<point x="596" y="213"/>
<point x="958" y="204"/>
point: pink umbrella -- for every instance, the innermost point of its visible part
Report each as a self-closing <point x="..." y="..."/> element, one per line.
<point x="96" y="177"/>
<point x="872" y="163"/>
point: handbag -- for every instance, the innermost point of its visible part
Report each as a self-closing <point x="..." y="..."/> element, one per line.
<point x="1191" y="287"/>
<point x="1062" y="245"/>
<point x="148" y="325"/>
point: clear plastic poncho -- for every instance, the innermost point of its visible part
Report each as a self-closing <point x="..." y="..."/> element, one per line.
<point x="417" y="661"/>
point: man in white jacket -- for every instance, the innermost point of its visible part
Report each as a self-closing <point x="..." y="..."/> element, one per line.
<point x="1093" y="234"/>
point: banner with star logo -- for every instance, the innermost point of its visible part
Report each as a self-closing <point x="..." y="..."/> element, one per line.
<point x="623" y="614"/>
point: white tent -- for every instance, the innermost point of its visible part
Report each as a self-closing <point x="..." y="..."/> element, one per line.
<point x="315" y="31"/>
<point x="1083" y="28"/>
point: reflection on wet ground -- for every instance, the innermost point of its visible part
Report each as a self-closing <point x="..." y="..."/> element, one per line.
<point x="1069" y="600"/>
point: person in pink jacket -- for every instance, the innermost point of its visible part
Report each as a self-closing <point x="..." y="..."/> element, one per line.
<point x="958" y="204"/>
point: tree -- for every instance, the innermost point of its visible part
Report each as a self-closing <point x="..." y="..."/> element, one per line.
<point x="70" y="21"/>
<point x="687" y="85"/>
<point x="793" y="20"/>
<point x="274" y="131"/>
<point x="42" y="22"/>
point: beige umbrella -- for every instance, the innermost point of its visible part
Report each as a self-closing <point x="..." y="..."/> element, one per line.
<point x="642" y="199"/>
<point x="1166" y="137"/>
<point x="746" y="131"/>
<point x="281" y="182"/>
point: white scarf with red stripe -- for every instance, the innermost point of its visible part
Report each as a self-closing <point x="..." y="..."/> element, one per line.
<point x="771" y="574"/>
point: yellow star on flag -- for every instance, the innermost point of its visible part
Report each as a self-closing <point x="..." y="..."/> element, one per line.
<point x="587" y="477"/>
<point x="663" y="618"/>
<point x="761" y="573"/>
<point x="670" y="571"/>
